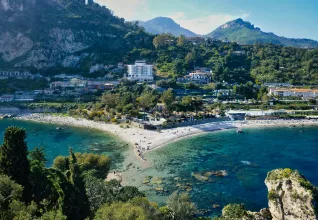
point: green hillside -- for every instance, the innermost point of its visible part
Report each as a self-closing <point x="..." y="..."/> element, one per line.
<point x="245" y="33"/>
<point x="64" y="34"/>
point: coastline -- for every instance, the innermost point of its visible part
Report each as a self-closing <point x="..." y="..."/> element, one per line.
<point x="145" y="141"/>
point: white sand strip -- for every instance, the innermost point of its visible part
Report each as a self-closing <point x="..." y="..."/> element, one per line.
<point x="146" y="140"/>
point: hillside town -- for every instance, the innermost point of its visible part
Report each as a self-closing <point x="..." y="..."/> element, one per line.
<point x="67" y="85"/>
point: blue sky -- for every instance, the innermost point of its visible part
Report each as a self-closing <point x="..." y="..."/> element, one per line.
<point x="289" y="18"/>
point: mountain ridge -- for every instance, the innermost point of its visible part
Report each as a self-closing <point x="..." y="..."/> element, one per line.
<point x="245" y="32"/>
<point x="161" y="25"/>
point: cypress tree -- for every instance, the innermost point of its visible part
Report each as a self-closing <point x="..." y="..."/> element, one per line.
<point x="13" y="158"/>
<point x="80" y="205"/>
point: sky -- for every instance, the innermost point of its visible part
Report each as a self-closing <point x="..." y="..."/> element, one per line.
<point x="288" y="18"/>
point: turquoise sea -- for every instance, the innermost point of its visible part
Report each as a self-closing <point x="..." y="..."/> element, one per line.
<point x="57" y="142"/>
<point x="246" y="157"/>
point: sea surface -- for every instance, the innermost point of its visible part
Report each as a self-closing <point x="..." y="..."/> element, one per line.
<point x="246" y="157"/>
<point x="57" y="142"/>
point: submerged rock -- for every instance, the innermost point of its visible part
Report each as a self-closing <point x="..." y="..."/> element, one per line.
<point x="159" y="189"/>
<point x="215" y="206"/>
<point x="200" y="177"/>
<point x="156" y="181"/>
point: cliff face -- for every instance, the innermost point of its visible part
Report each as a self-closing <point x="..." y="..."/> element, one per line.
<point x="16" y="5"/>
<point x="290" y="196"/>
<point x="44" y="34"/>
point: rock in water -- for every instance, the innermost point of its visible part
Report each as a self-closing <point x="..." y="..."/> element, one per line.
<point x="291" y="196"/>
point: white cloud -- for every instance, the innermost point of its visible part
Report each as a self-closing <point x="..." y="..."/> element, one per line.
<point x="205" y="23"/>
<point x="129" y="10"/>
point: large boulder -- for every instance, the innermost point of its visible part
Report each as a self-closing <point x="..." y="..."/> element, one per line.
<point x="291" y="196"/>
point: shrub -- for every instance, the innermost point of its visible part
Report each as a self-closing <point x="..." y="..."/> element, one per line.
<point x="272" y="195"/>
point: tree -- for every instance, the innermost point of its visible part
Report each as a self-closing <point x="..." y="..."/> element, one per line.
<point x="61" y="163"/>
<point x="99" y="164"/>
<point x="13" y="158"/>
<point x="263" y="91"/>
<point x="234" y="211"/>
<point x="98" y="192"/>
<point x="129" y="192"/>
<point x="310" y="65"/>
<point x="9" y="191"/>
<point x="181" y="206"/>
<point x="163" y="40"/>
<point x="136" y="209"/>
<point x="110" y="100"/>
<point x="145" y="101"/>
<point x="80" y="205"/>
<point x="120" y="211"/>
<point x="38" y="154"/>
<point x="190" y="58"/>
<point x="181" y="41"/>
<point x="168" y="98"/>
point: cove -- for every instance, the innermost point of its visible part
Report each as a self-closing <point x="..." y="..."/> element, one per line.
<point x="57" y="142"/>
<point x="246" y="157"/>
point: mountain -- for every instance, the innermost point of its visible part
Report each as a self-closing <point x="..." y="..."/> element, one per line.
<point x="64" y="34"/>
<point x="244" y="32"/>
<point x="161" y="25"/>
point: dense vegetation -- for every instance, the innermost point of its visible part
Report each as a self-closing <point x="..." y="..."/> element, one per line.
<point x="109" y="40"/>
<point x="175" y="57"/>
<point x="245" y="33"/>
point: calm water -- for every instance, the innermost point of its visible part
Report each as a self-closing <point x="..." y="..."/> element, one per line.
<point x="57" y="142"/>
<point x="246" y="157"/>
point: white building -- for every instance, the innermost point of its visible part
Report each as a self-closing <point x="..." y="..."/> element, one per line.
<point x="305" y="93"/>
<point x="6" y="98"/>
<point x="238" y="52"/>
<point x="200" y="77"/>
<point x="140" y="71"/>
<point x="64" y="76"/>
<point x="15" y="74"/>
<point x="61" y="84"/>
<point x="279" y="84"/>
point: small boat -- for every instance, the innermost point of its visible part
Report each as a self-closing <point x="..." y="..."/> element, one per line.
<point x="239" y="130"/>
<point x="58" y="128"/>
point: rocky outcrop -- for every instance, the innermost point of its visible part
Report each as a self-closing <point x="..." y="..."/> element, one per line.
<point x="290" y="197"/>
<point x="16" y="5"/>
<point x="14" y="45"/>
<point x="68" y="40"/>
<point x="67" y="34"/>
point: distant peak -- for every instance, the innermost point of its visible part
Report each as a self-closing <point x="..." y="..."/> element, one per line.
<point x="238" y="23"/>
<point x="164" y="19"/>
<point x="239" y="20"/>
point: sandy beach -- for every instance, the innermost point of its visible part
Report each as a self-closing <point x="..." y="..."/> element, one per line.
<point x="147" y="140"/>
